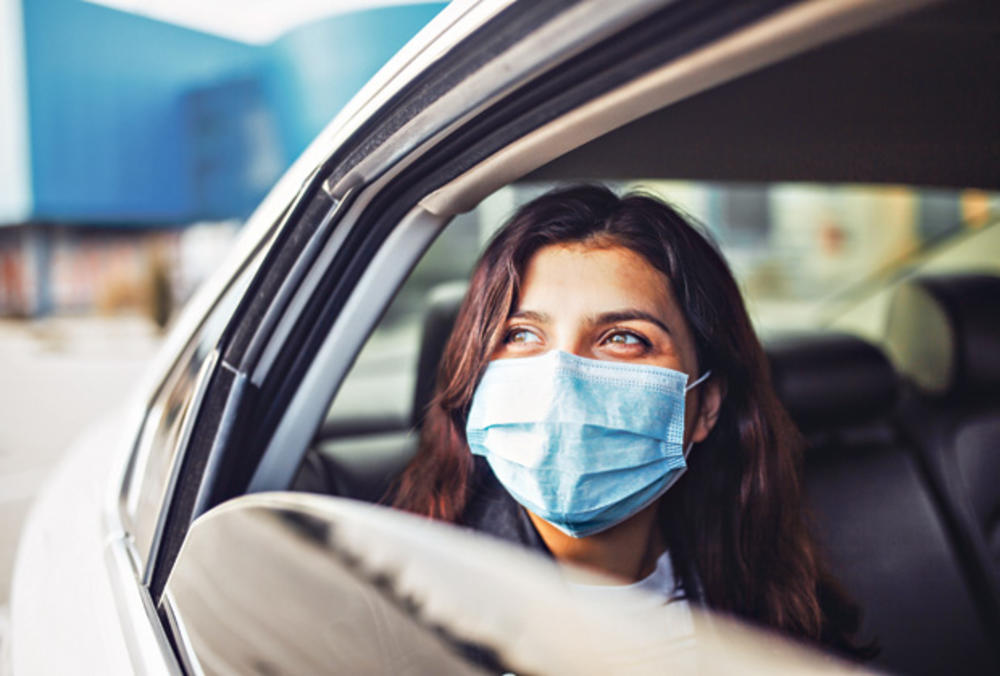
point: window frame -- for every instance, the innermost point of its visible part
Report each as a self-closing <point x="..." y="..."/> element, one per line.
<point x="521" y="150"/>
<point x="359" y="233"/>
<point x="288" y="352"/>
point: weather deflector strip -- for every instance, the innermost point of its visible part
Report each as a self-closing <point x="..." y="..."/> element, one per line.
<point x="771" y="39"/>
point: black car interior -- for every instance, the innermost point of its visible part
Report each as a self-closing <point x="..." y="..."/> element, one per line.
<point x="884" y="528"/>
<point x="901" y="472"/>
<point x="952" y="408"/>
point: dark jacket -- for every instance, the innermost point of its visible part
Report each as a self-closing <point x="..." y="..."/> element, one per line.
<point x="492" y="510"/>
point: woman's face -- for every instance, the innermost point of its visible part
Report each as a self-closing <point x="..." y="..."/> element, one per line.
<point x="603" y="303"/>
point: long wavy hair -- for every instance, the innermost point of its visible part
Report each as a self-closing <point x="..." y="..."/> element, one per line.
<point x="736" y="517"/>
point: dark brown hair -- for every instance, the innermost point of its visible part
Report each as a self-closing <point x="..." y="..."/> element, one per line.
<point x="736" y="517"/>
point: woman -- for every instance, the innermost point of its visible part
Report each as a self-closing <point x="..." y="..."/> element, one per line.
<point x="603" y="397"/>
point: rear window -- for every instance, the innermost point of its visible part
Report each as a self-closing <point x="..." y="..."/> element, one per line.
<point x="806" y="256"/>
<point x="810" y="255"/>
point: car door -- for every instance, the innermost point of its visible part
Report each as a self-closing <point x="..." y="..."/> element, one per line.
<point x="488" y="92"/>
<point x="370" y="209"/>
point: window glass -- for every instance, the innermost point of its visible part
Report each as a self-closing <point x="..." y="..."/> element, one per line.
<point x="809" y="256"/>
<point x="161" y="439"/>
<point x="806" y="256"/>
<point x="302" y="604"/>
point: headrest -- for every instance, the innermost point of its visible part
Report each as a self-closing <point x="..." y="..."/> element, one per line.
<point x="943" y="333"/>
<point x="443" y="303"/>
<point x="831" y="379"/>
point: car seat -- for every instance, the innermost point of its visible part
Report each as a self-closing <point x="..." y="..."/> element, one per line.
<point x="363" y="466"/>
<point x="943" y="333"/>
<point x="874" y="514"/>
<point x="443" y="303"/>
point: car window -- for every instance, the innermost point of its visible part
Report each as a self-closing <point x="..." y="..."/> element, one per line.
<point x="806" y="256"/>
<point x="170" y="416"/>
<point x="367" y="430"/>
<point x="341" y="587"/>
<point x="387" y="364"/>
<point x="330" y="617"/>
<point x="809" y="256"/>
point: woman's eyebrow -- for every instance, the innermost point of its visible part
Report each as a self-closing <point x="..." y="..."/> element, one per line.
<point x="628" y="315"/>
<point x="531" y="316"/>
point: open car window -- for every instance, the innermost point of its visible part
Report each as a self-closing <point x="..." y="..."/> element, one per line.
<point x="807" y="257"/>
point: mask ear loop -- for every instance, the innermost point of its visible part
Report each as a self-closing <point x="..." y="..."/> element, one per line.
<point x="703" y="378"/>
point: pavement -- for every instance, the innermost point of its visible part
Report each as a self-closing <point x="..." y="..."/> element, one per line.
<point x="56" y="377"/>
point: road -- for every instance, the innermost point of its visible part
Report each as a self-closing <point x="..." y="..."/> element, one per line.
<point x="56" y="376"/>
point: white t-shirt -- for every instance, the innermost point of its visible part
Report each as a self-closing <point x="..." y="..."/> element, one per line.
<point x="656" y="593"/>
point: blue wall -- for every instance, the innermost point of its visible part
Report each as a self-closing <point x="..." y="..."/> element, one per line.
<point x="137" y="121"/>
<point x="312" y="72"/>
<point x="103" y="94"/>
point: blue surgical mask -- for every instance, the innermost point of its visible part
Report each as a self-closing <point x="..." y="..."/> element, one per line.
<point x="582" y="443"/>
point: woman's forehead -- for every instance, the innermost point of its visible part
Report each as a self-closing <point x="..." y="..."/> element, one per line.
<point x="563" y="277"/>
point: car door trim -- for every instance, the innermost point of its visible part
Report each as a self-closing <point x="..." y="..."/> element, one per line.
<point x="227" y="422"/>
<point x="487" y="76"/>
<point x="145" y="640"/>
<point x="250" y="252"/>
<point x="386" y="272"/>
<point x="182" y="640"/>
<point x="187" y="426"/>
<point x="271" y="325"/>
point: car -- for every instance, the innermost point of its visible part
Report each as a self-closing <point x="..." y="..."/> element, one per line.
<point x="224" y="520"/>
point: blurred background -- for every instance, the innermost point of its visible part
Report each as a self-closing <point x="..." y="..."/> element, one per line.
<point x="136" y="136"/>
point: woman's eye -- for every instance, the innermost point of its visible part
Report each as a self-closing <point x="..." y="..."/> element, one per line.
<point x="626" y="339"/>
<point x="522" y="336"/>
